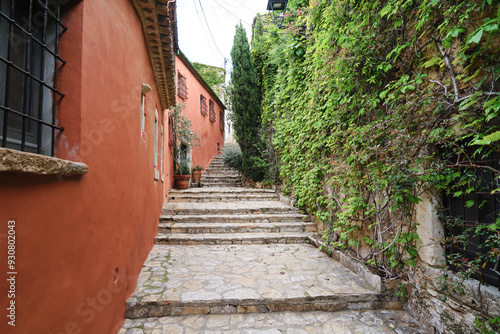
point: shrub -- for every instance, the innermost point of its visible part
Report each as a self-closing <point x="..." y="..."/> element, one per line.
<point x="232" y="157"/>
<point x="185" y="169"/>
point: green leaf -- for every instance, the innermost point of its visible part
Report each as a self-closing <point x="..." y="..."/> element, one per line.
<point x="432" y="62"/>
<point x="491" y="27"/>
<point x="493" y="137"/>
<point x="477" y="37"/>
<point x="480" y="142"/>
<point x="456" y="31"/>
<point x="469" y="203"/>
<point x="384" y="11"/>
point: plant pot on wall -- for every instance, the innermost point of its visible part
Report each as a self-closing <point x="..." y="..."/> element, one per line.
<point x="181" y="181"/>
<point x="196" y="176"/>
<point x="197" y="173"/>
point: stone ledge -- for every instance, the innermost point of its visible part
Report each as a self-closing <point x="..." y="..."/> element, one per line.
<point x="23" y="162"/>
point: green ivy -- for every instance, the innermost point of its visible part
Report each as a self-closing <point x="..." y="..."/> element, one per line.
<point x="366" y="101"/>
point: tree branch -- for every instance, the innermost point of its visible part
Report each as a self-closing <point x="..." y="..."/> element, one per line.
<point x="448" y="64"/>
<point x="440" y="84"/>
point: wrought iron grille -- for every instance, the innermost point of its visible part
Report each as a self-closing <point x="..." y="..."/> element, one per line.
<point x="203" y="105"/>
<point x="182" y="86"/>
<point x="211" y="109"/>
<point x="221" y="121"/>
<point x="29" y="61"/>
<point x="475" y="206"/>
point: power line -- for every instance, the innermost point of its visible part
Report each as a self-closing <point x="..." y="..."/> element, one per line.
<point x="249" y="24"/>
<point x="251" y="10"/>
<point x="227" y="10"/>
<point x="204" y="32"/>
<point x="210" y="31"/>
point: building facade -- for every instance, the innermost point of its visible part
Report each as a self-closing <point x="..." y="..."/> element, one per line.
<point x="85" y="87"/>
<point x="205" y="110"/>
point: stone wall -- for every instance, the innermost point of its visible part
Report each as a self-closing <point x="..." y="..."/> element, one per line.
<point x="442" y="302"/>
<point x="446" y="305"/>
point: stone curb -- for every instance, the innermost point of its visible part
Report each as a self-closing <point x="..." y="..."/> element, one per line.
<point x="374" y="281"/>
<point x="152" y="309"/>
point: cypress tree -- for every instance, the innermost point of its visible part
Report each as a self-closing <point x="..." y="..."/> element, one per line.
<point x="246" y="107"/>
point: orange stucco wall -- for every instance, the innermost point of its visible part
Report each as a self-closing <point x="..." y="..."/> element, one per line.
<point x="208" y="131"/>
<point x="81" y="241"/>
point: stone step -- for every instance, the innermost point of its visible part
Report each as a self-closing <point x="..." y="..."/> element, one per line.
<point x="219" y="184"/>
<point x="373" y="322"/>
<point x="221" y="180"/>
<point x="222" y="176"/>
<point x="197" y="228"/>
<point x="221" y="190"/>
<point x="219" y="279"/>
<point x="257" y="238"/>
<point x="220" y="168"/>
<point x="242" y="207"/>
<point x="235" y="183"/>
<point x="208" y="185"/>
<point x="234" y="218"/>
<point x="208" y="197"/>
<point x="221" y="172"/>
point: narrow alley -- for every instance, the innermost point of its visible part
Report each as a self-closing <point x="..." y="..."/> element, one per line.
<point x="239" y="260"/>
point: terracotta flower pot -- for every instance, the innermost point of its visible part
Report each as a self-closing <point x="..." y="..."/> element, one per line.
<point x="196" y="176"/>
<point x="181" y="181"/>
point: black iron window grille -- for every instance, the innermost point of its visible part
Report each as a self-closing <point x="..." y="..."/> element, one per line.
<point x="473" y="206"/>
<point x="203" y="105"/>
<point x="221" y="121"/>
<point x="29" y="61"/>
<point x="181" y="86"/>
<point x="211" y="109"/>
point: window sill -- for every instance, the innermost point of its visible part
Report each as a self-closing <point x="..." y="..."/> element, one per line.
<point x="23" y="162"/>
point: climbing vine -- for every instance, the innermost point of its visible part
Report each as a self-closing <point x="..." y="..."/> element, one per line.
<point x="369" y="102"/>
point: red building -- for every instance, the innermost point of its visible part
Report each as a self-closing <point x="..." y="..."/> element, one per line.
<point x="85" y="88"/>
<point x="204" y="109"/>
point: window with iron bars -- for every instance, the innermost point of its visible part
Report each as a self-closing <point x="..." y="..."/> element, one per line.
<point x="471" y="207"/>
<point x="221" y="121"/>
<point x="29" y="62"/>
<point x="181" y="86"/>
<point x="203" y="105"/>
<point x="211" y="109"/>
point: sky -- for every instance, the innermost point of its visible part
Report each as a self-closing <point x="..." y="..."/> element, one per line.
<point x="222" y="16"/>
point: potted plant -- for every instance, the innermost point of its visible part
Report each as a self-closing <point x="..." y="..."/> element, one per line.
<point x="181" y="179"/>
<point x="197" y="173"/>
<point x="181" y="132"/>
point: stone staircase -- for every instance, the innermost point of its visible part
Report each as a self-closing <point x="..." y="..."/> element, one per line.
<point x="222" y="216"/>
<point x="217" y="175"/>
<point x="231" y="259"/>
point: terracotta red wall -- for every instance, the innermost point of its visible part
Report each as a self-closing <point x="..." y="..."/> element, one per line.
<point x="209" y="132"/>
<point x="81" y="241"/>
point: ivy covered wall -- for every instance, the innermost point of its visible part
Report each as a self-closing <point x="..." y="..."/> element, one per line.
<point x="372" y="106"/>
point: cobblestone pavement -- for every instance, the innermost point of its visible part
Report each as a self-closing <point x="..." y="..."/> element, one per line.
<point x="343" y="322"/>
<point x="211" y="277"/>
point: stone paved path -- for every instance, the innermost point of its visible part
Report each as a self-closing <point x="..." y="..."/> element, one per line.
<point x="343" y="322"/>
<point x="231" y="260"/>
<point x="178" y="280"/>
